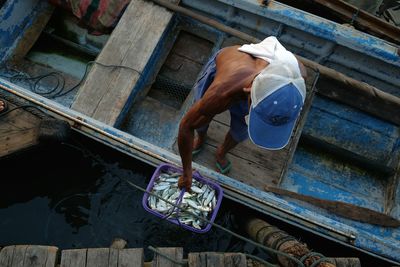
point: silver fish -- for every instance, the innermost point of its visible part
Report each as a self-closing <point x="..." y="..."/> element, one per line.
<point x="209" y="198"/>
<point x="160" y="187"/>
<point x="196" y="224"/>
<point x="175" y="175"/>
<point x="199" y="202"/>
<point x="197" y="189"/>
<point x="152" y="202"/>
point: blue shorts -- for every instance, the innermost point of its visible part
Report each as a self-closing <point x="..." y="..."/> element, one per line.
<point x="238" y="110"/>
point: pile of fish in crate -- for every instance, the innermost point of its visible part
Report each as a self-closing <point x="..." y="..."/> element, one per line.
<point x="203" y="200"/>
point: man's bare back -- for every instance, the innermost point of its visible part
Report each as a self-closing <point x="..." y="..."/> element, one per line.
<point x="235" y="72"/>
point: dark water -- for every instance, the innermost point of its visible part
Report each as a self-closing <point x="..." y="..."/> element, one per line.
<point x="62" y="196"/>
<point x="72" y="196"/>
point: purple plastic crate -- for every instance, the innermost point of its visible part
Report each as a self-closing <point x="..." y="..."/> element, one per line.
<point x="196" y="176"/>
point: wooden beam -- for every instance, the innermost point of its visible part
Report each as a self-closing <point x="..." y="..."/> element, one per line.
<point x="105" y="91"/>
<point x="28" y="256"/>
<point x="73" y="258"/>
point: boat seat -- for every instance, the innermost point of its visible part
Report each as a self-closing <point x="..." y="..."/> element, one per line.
<point x="106" y="91"/>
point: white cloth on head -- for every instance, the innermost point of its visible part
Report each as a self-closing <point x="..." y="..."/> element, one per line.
<point x="270" y="49"/>
<point x="282" y="70"/>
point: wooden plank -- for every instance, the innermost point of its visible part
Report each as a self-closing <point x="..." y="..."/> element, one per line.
<point x="18" y="256"/>
<point x="40" y="256"/>
<point x="196" y="259"/>
<point x="105" y="91"/>
<point x="97" y="257"/>
<point x="113" y="257"/>
<point x="132" y="257"/>
<point x="216" y="259"/>
<point x="6" y="256"/>
<point x="242" y="170"/>
<point x="73" y="258"/>
<point x="174" y="253"/>
<point x="18" y="130"/>
<point x="235" y="260"/>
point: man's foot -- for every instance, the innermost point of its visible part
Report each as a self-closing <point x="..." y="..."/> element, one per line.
<point x="3" y="106"/>
<point x="225" y="167"/>
<point x="222" y="163"/>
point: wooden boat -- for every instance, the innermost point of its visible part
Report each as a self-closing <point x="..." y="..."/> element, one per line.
<point x="346" y="144"/>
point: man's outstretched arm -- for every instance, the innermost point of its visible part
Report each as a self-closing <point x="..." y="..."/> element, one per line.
<point x="191" y="121"/>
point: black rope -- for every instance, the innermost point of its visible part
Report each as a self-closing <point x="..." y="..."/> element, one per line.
<point x="261" y="229"/>
<point x="58" y="90"/>
<point x="86" y="70"/>
<point x="2" y="114"/>
<point x="267" y="236"/>
<point x="281" y="240"/>
<point x="315" y="254"/>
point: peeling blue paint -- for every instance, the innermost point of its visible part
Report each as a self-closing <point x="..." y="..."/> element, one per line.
<point x="16" y="17"/>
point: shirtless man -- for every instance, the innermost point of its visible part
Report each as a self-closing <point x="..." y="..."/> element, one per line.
<point x="263" y="80"/>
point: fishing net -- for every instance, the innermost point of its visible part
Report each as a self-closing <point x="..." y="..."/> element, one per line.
<point x="170" y="91"/>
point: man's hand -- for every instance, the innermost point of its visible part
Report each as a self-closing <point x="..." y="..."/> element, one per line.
<point x="185" y="181"/>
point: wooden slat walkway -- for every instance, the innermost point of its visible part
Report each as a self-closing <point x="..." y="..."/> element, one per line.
<point x="46" y="256"/>
<point x="215" y="259"/>
<point x="99" y="257"/>
<point x="106" y="90"/>
<point x="28" y="256"/>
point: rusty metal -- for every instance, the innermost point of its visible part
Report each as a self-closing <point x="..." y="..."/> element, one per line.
<point x="362" y="18"/>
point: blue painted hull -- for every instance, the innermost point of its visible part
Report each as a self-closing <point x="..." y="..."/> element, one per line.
<point x="312" y="171"/>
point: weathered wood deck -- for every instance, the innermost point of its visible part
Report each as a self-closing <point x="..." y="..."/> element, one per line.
<point x="50" y="256"/>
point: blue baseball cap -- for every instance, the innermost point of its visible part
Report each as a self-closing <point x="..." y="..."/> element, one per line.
<point x="277" y="99"/>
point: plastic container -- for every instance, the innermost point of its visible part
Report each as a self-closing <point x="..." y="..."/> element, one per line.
<point x="197" y="177"/>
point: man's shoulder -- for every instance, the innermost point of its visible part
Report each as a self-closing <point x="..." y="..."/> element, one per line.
<point x="229" y="50"/>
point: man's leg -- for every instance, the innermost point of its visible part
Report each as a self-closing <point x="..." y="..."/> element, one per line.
<point x="199" y="140"/>
<point x="237" y="133"/>
<point x="224" y="148"/>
